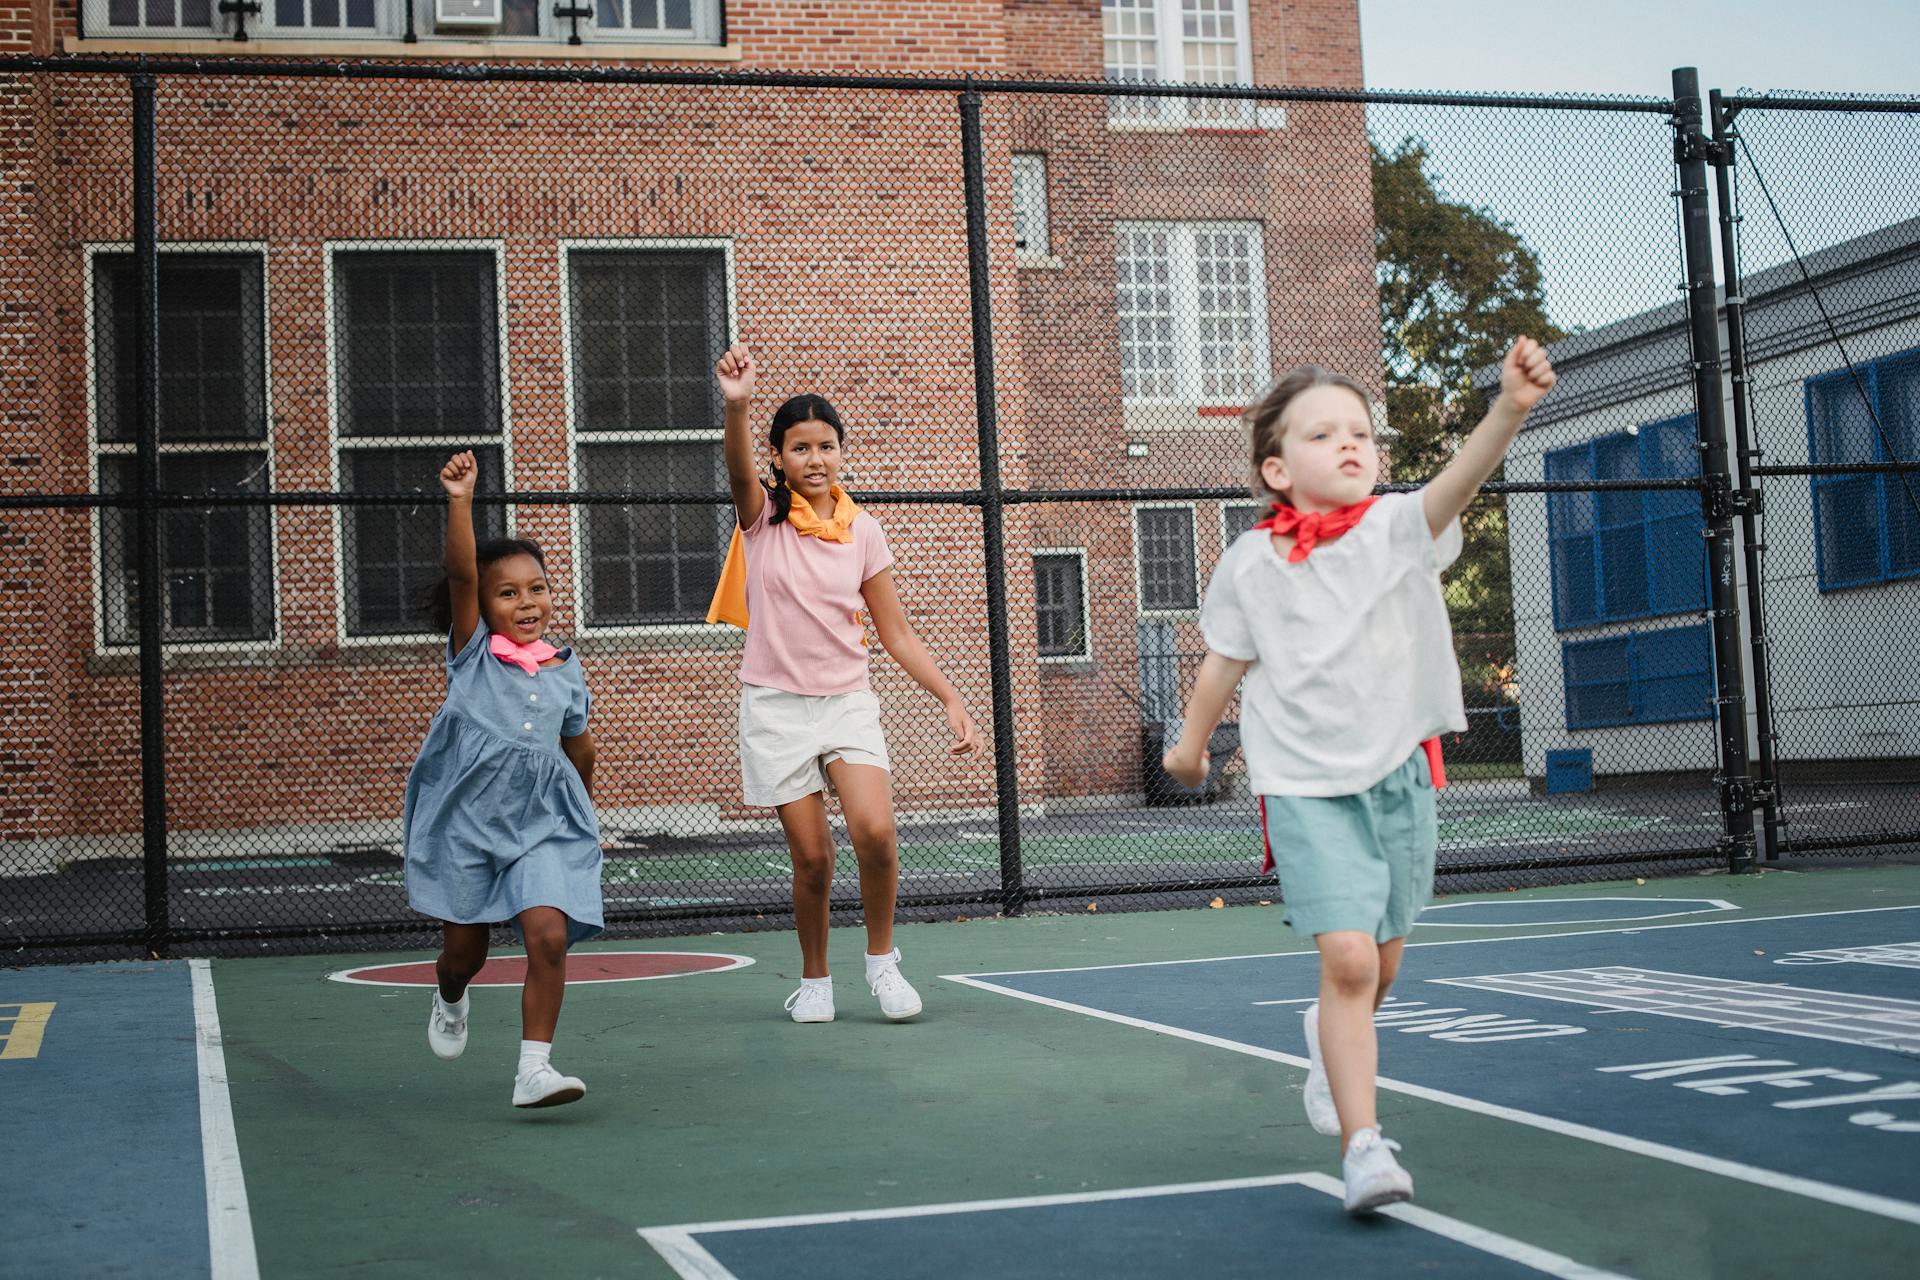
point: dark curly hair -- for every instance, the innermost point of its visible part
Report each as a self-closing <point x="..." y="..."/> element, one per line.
<point x="437" y="604"/>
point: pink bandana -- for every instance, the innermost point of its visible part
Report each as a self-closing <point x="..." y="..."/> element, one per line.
<point x="527" y="657"/>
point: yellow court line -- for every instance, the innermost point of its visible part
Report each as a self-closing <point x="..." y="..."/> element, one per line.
<point x="29" y="1024"/>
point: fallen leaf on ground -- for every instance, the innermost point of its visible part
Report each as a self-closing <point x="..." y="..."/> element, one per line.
<point x="1093" y="906"/>
<point x="1218" y="902"/>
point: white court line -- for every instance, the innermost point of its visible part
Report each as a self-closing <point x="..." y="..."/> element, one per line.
<point x="229" y="1225"/>
<point x="1450" y="942"/>
<point x="1846" y="1197"/>
<point x="688" y="1257"/>
<point x="1421" y="921"/>
<point x="739" y="962"/>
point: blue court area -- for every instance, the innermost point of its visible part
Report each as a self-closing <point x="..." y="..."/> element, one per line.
<point x="102" y="1081"/>
<point x="1783" y="1051"/>
<point x="1255" y="1227"/>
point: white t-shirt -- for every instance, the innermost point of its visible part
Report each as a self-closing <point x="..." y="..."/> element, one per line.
<point x="1352" y="651"/>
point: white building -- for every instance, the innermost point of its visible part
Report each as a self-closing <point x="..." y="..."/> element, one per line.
<point x="1616" y="658"/>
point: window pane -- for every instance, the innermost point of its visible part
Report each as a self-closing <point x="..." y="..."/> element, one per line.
<point x="646" y="329"/>
<point x="1030" y="203"/>
<point x="418" y="351"/>
<point x="393" y="555"/>
<point x="1144" y="275"/>
<point x="1673" y="675"/>
<point x="216" y="563"/>
<point x="1229" y="296"/>
<point x="212" y="348"/>
<point x="1058" y="612"/>
<point x="522" y="17"/>
<point x="1848" y="512"/>
<point x="653" y="564"/>
<point x="1210" y="54"/>
<point x="1598" y="688"/>
<point x="1241" y="516"/>
<point x="1166" y="557"/>
<point x="1900" y="419"/>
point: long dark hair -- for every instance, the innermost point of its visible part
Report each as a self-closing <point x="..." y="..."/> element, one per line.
<point x="437" y="604"/>
<point x="801" y="408"/>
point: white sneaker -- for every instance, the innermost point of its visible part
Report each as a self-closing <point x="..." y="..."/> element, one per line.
<point x="813" y="1002"/>
<point x="1318" y="1095"/>
<point x="446" y="1034"/>
<point x="898" y="1000"/>
<point x="545" y="1087"/>
<point x="1373" y="1176"/>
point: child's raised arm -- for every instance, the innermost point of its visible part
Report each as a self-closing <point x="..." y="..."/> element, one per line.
<point x="463" y="574"/>
<point x="1525" y="377"/>
<point x="1213" y="688"/>
<point x="735" y="373"/>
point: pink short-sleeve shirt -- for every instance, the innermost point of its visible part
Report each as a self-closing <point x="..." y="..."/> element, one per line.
<point x="803" y="603"/>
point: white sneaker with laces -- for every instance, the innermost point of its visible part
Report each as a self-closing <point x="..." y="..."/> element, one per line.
<point x="1372" y="1175"/>
<point x="898" y="1000"/>
<point x="446" y="1034"/>
<point x="545" y="1087"/>
<point x="813" y="1002"/>
<point x="1318" y="1095"/>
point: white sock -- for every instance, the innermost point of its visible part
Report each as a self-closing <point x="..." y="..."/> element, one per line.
<point x="534" y="1053"/>
<point x="454" y="1008"/>
<point x="876" y="963"/>
<point x="826" y="982"/>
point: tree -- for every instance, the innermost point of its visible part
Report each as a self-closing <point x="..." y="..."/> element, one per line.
<point x="1457" y="285"/>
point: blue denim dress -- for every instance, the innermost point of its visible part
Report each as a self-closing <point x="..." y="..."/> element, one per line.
<point x="497" y="819"/>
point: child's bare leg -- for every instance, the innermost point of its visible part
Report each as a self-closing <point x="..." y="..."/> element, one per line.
<point x="810" y="845"/>
<point x="1389" y="968"/>
<point x="866" y="797"/>
<point x="545" y="929"/>
<point x="463" y="950"/>
<point x="1349" y="986"/>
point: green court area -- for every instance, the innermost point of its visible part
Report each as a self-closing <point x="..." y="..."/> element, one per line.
<point x="1005" y="1132"/>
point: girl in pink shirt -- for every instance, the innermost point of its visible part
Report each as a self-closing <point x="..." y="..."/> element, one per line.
<point x="805" y="561"/>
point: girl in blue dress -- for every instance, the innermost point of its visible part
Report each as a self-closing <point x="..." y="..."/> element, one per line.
<point x="499" y="821"/>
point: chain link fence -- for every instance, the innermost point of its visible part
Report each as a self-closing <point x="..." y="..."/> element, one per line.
<point x="259" y="304"/>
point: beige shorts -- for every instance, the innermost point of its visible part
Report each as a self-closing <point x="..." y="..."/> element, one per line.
<point x="787" y="740"/>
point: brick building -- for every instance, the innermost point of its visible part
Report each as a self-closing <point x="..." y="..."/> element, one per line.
<point x="360" y="275"/>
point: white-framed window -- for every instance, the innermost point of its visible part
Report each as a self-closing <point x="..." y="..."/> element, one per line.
<point x="1182" y="42"/>
<point x="217" y="562"/>
<point x="1192" y="299"/>
<point x="656" y="21"/>
<point x="1238" y="517"/>
<point x="645" y="319"/>
<point x="1030" y="238"/>
<point x="1062" y="624"/>
<point x="1165" y="558"/>
<point x="416" y="354"/>
<point x="277" y="19"/>
<point x="631" y="21"/>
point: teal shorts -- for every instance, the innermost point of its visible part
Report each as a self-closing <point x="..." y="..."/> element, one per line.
<point x="1362" y="862"/>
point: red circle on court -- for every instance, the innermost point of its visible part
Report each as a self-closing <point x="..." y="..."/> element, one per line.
<point x="582" y="966"/>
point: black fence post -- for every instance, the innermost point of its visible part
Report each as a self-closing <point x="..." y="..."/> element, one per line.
<point x="146" y="384"/>
<point x="1748" y="497"/>
<point x="1718" y="498"/>
<point x="1013" y="893"/>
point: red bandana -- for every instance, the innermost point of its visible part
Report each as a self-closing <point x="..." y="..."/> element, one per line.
<point x="1311" y="528"/>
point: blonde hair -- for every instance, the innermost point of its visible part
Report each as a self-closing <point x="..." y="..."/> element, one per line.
<point x="1264" y="428"/>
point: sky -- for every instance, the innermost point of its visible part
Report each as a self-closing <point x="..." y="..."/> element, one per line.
<point x="1589" y="192"/>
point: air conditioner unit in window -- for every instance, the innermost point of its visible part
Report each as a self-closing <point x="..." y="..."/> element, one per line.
<point x="466" y="13"/>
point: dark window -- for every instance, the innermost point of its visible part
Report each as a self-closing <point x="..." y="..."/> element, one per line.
<point x="395" y="554"/>
<point x="1627" y="553"/>
<point x="1059" y="603"/>
<point x="646" y="326"/>
<point x="1166" y="557"/>
<point x="1649" y="677"/>
<point x="1866" y="527"/>
<point x="212" y="348"/>
<point x="417" y="349"/>
<point x="1238" y="517"/>
<point x="416" y="337"/>
<point x="216" y="562"/>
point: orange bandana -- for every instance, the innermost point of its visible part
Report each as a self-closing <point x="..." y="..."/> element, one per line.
<point x="730" y="593"/>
